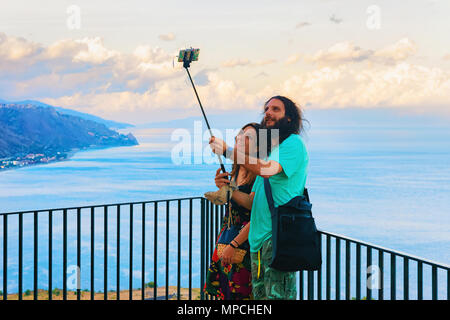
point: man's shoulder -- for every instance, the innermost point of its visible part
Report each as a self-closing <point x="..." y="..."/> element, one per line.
<point x="293" y="140"/>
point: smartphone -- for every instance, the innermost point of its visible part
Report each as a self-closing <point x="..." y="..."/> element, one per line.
<point x="188" y="55"/>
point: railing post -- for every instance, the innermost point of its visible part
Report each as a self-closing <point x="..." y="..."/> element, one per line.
<point x="167" y="248"/>
<point x="301" y="284"/>
<point x="105" y="252"/>
<point x="118" y="253"/>
<point x="419" y="280"/>
<point x="130" y="293"/>
<point x="448" y="284"/>
<point x="310" y="285"/>
<point x="347" y="269"/>
<point x="319" y="273"/>
<point x="50" y="255"/>
<point x="207" y="215"/>
<point x="155" y="251"/>
<point x="78" y="253"/>
<point x="5" y="257"/>
<point x="179" y="252"/>
<point x="405" y="278"/>
<point x="20" y="255"/>
<point x="92" y="252"/>
<point x="328" y="270"/>
<point x="393" y="278"/>
<point x="35" y="250"/>
<point x="369" y="263"/>
<point x="65" y="254"/>
<point x="338" y="269"/>
<point x="381" y="268"/>
<point x="202" y="248"/>
<point x="434" y="281"/>
<point x="143" y="252"/>
<point x="190" y="249"/>
<point x="358" y="271"/>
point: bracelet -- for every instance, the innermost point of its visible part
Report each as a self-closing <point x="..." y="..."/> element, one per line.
<point x="237" y="243"/>
<point x="232" y="245"/>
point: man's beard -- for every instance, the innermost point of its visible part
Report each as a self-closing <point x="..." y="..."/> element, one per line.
<point x="284" y="130"/>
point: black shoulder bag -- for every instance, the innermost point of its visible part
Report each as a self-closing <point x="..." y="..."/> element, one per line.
<point x="295" y="239"/>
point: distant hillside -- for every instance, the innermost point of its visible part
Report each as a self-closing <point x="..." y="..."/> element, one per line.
<point x="87" y="116"/>
<point x="28" y="129"/>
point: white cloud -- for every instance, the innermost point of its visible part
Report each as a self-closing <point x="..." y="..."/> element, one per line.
<point x="235" y="62"/>
<point x="347" y="52"/>
<point x="167" y="37"/>
<point x="94" y="52"/>
<point x="14" y="49"/>
<point x="83" y="65"/>
<point x="264" y="62"/>
<point x="246" y="62"/>
<point x="342" y="52"/>
<point x="398" y="51"/>
<point x="164" y="99"/>
<point x="293" y="59"/>
<point x="401" y="85"/>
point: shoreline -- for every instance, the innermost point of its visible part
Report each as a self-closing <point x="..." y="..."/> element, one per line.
<point x="64" y="156"/>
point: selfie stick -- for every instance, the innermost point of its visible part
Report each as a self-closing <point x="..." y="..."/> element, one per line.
<point x="187" y="59"/>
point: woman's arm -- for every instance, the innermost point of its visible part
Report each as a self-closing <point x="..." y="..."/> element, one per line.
<point x="228" y="252"/>
<point x="243" y="235"/>
<point x="243" y="199"/>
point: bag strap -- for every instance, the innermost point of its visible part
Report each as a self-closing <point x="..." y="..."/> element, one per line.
<point x="269" y="196"/>
<point x="306" y="195"/>
<point x="228" y="198"/>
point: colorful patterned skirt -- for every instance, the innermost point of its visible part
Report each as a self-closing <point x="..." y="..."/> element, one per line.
<point x="232" y="282"/>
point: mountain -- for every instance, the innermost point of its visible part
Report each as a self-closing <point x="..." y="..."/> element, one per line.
<point x="27" y="128"/>
<point x="87" y="116"/>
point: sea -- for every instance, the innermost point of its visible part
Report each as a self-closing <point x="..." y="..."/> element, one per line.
<point x="388" y="185"/>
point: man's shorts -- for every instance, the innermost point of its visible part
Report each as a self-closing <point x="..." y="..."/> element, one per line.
<point x="269" y="283"/>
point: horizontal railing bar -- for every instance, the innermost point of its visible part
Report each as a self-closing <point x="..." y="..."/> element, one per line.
<point x="390" y="251"/>
<point x="100" y="205"/>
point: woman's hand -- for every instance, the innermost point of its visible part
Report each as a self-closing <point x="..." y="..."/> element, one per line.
<point x="218" y="146"/>
<point x="227" y="255"/>
<point x="221" y="178"/>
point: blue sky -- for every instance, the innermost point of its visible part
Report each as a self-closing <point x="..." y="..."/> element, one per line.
<point x="115" y="59"/>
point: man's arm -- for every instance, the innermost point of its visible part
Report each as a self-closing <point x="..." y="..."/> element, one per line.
<point x="257" y="166"/>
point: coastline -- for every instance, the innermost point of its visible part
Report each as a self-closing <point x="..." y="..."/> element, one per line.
<point x="24" y="162"/>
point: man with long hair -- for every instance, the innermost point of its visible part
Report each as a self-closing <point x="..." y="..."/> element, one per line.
<point x="286" y="168"/>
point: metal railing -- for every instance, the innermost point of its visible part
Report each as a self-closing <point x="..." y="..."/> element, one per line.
<point x="162" y="249"/>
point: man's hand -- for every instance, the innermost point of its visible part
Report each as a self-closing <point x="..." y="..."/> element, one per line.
<point x="218" y="146"/>
<point x="221" y="179"/>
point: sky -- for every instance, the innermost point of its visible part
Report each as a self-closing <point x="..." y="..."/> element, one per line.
<point x="116" y="60"/>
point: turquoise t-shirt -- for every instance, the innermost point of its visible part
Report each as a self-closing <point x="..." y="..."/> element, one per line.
<point x="291" y="154"/>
